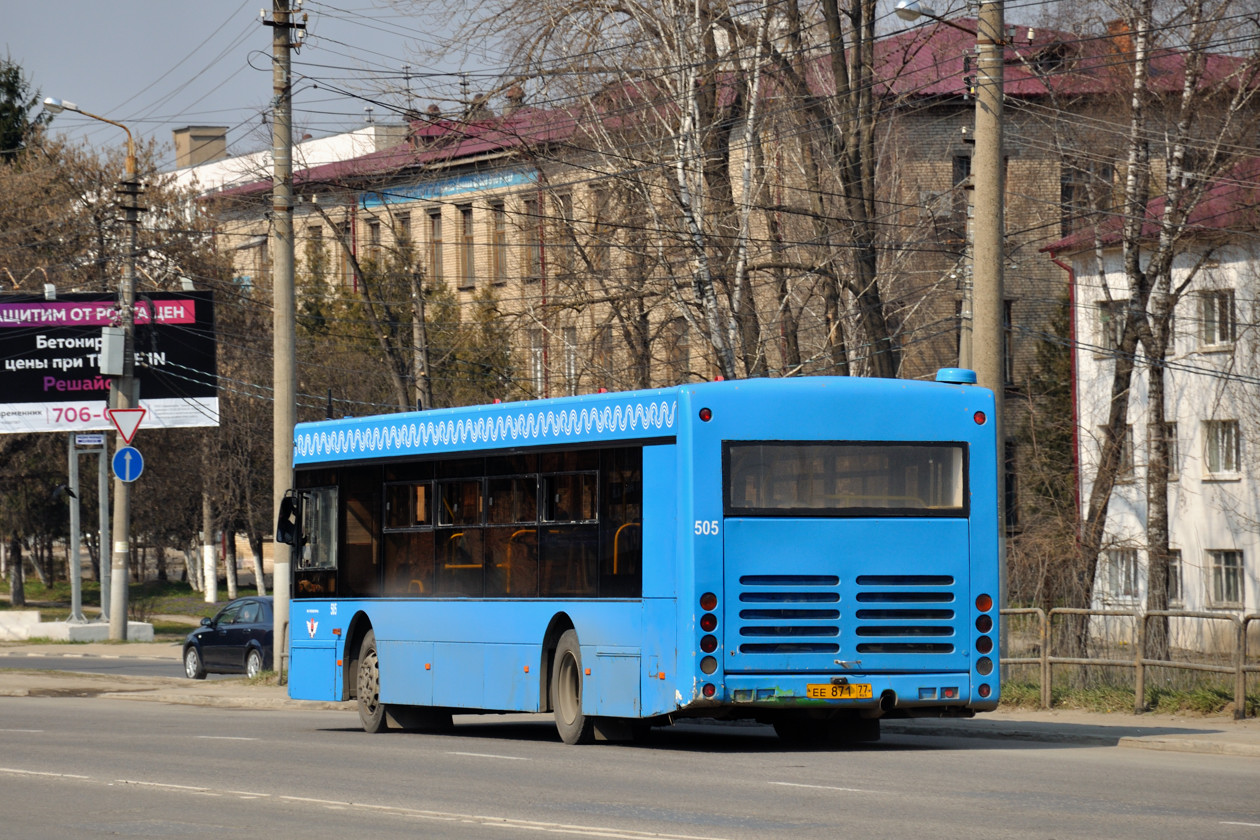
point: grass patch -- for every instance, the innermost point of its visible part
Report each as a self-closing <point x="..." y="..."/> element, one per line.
<point x="1202" y="700"/>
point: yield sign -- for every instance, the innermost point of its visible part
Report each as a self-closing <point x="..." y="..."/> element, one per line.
<point x="126" y="421"/>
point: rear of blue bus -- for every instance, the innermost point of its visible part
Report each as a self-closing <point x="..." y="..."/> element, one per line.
<point x="844" y="552"/>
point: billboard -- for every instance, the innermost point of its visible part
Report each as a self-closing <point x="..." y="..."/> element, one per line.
<point x="50" y="379"/>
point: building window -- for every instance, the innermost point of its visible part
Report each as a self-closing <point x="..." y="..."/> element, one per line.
<point x="603" y="355"/>
<point x="571" y="360"/>
<point x="1227" y="577"/>
<point x="374" y="241"/>
<point x="601" y="229"/>
<point x="1111" y="324"/>
<point x="1176" y="594"/>
<point x="1174" y="451"/>
<point x="402" y="228"/>
<point x="1121" y="574"/>
<point x="467" y="249"/>
<point x="677" y="351"/>
<point x="564" y="243"/>
<point x="435" y="246"/>
<point x="531" y="244"/>
<point x="1082" y="192"/>
<point x="345" y="239"/>
<point x="1216" y="318"/>
<point x="961" y="197"/>
<point x="498" y="242"/>
<point x="1222" y="446"/>
<point x="1124" y="471"/>
<point x="1010" y="488"/>
<point x="537" y="363"/>
<point x="1008" y="356"/>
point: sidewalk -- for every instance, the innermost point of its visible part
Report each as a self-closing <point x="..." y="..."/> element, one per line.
<point x="1180" y="733"/>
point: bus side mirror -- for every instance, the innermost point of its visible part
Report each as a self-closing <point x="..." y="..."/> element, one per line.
<point x="286" y="520"/>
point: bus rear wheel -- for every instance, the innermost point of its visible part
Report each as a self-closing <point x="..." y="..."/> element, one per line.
<point x="566" y="692"/>
<point x="368" y="685"/>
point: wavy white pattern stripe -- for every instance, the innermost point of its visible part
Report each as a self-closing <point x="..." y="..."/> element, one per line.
<point x="555" y="424"/>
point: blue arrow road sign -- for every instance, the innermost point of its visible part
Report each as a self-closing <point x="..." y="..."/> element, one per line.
<point x="128" y="463"/>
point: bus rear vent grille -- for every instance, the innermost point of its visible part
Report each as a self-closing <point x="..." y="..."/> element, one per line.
<point x="905" y="613"/>
<point x="789" y="614"/>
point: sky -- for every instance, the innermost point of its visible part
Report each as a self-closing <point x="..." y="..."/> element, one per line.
<point x="159" y="65"/>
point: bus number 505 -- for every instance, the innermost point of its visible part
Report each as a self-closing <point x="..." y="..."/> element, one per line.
<point x="706" y="527"/>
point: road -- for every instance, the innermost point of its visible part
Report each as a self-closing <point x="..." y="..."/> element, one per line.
<point x="97" y="664"/>
<point x="102" y="767"/>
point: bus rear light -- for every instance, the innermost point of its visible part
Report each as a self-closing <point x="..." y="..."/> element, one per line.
<point x="705" y="415"/>
<point x="708" y="644"/>
<point x="984" y="666"/>
<point x="984" y="623"/>
<point x="979" y="418"/>
<point x="661" y="675"/>
<point x="984" y="690"/>
<point x="950" y="693"/>
<point x="984" y="645"/>
<point x="708" y="622"/>
<point x="709" y="690"/>
<point x="708" y="602"/>
<point x="708" y="665"/>
<point x="984" y="603"/>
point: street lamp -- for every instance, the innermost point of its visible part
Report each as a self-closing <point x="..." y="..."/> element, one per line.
<point x="124" y="392"/>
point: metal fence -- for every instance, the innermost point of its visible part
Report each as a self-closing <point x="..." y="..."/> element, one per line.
<point x="1103" y="646"/>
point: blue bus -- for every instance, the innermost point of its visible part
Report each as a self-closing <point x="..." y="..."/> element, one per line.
<point x="814" y="553"/>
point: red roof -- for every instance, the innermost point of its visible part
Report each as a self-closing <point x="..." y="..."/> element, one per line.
<point x="934" y="60"/>
<point x="1231" y="203"/>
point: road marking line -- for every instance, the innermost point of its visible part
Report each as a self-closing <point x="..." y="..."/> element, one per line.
<point x="1248" y="825"/>
<point x="18" y="772"/>
<point x="504" y="822"/>
<point x="22" y="730"/>
<point x="224" y="738"/>
<point x="491" y="755"/>
<point x="412" y="813"/>
<point x="822" y="787"/>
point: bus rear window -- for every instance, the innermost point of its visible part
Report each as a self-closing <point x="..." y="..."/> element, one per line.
<point x="787" y="478"/>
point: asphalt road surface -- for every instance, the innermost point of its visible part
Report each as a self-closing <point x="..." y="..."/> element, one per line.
<point x="95" y="664"/>
<point x="101" y="767"/>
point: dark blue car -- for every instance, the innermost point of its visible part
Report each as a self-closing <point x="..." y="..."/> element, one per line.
<point x="236" y="641"/>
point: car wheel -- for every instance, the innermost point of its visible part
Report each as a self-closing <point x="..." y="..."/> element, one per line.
<point x="253" y="664"/>
<point x="193" y="668"/>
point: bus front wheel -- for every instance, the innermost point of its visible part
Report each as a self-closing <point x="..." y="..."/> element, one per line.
<point x="566" y="692"/>
<point x="371" y="709"/>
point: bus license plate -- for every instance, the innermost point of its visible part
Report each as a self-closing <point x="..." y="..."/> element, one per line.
<point x="844" y="691"/>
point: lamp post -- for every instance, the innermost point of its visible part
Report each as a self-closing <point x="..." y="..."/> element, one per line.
<point x="123" y="391"/>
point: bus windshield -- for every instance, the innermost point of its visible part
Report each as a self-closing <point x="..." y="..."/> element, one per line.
<point x="786" y="478"/>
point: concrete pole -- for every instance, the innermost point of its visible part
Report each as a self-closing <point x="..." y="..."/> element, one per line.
<point x="988" y="303"/>
<point x="74" y="547"/>
<point x="989" y="230"/>
<point x="102" y="492"/>
<point x="124" y="393"/>
<point x="284" y="350"/>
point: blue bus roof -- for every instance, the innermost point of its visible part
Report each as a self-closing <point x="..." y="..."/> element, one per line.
<point x="588" y="418"/>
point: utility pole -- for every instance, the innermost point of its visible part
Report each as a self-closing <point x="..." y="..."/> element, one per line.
<point x="284" y="347"/>
<point x="125" y="393"/>
<point x="988" y="170"/>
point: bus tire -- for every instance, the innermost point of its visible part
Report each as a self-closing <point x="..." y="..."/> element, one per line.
<point x="566" y="692"/>
<point x="371" y="709"/>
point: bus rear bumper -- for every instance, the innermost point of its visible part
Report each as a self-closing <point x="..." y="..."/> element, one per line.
<point x="893" y="695"/>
